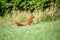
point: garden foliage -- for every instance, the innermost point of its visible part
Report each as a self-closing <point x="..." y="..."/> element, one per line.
<point x="7" y="5"/>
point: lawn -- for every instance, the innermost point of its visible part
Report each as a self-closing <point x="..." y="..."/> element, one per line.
<point x="47" y="29"/>
<point x="41" y="31"/>
<point x="45" y="25"/>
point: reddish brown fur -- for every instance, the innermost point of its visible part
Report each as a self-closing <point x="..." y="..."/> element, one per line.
<point x="18" y="24"/>
<point x="30" y="20"/>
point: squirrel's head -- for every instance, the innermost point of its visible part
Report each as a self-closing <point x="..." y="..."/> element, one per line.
<point x="32" y="16"/>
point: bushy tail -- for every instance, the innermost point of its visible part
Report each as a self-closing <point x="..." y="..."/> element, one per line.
<point x="18" y="24"/>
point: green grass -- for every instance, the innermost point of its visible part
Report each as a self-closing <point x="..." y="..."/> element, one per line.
<point x="41" y="31"/>
<point x="45" y="26"/>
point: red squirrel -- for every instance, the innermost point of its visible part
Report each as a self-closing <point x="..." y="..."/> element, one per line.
<point x="29" y="21"/>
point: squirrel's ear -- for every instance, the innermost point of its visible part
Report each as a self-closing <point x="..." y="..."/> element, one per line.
<point x="32" y="16"/>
